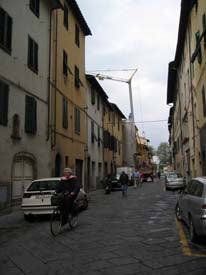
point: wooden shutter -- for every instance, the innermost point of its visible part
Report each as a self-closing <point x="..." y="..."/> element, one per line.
<point x="36" y="56"/>
<point x="9" y="33"/>
<point x="77" y="121"/>
<point x="76" y="76"/>
<point x="199" y="55"/>
<point x="30" y="115"/>
<point x="2" y="26"/>
<point x="92" y="95"/>
<point x="77" y="35"/>
<point x="204" y="27"/>
<point x="66" y="17"/>
<point x="65" y="114"/>
<point x="4" y="95"/>
<point x="65" y="62"/>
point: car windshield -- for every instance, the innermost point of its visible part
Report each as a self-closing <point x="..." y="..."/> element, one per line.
<point x="173" y="176"/>
<point x="43" y="185"/>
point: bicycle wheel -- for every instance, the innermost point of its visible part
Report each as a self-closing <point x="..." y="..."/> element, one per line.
<point x="73" y="220"/>
<point x="56" y="222"/>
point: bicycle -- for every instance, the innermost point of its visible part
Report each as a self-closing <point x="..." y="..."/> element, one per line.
<point x="56" y="221"/>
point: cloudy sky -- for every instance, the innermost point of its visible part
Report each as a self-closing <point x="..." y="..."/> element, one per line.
<point x="134" y="34"/>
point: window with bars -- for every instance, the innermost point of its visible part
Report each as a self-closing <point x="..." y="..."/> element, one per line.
<point x="5" y="31"/>
<point x="30" y="115"/>
<point x="76" y="77"/>
<point x="77" y="120"/>
<point x="32" y="55"/>
<point x="4" y="97"/>
<point x="65" y="63"/>
<point x="66" y="17"/>
<point x="77" y="41"/>
<point x="65" y="113"/>
<point x="34" y="7"/>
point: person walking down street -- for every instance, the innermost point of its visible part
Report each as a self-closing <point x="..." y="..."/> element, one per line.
<point x="69" y="187"/>
<point x="124" y="180"/>
<point x="136" y="178"/>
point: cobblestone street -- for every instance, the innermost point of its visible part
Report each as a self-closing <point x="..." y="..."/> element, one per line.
<point x="133" y="235"/>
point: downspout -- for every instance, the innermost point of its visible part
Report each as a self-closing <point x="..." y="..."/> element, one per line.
<point x="192" y="99"/>
<point x="49" y="77"/>
<point x="55" y="78"/>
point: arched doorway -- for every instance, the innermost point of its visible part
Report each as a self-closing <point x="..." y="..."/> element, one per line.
<point x="58" y="165"/>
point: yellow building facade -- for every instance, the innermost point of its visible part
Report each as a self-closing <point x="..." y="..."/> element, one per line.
<point x="67" y="90"/>
<point x="113" y="138"/>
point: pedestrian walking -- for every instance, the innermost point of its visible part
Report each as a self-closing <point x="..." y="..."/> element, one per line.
<point x="136" y="178"/>
<point x="124" y="180"/>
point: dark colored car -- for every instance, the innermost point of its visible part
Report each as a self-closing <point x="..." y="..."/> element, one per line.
<point x="191" y="207"/>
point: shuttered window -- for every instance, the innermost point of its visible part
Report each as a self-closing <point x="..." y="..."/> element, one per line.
<point x="32" y="55"/>
<point x="77" y="35"/>
<point x="5" y="31"/>
<point x="198" y="46"/>
<point x="30" y="115"/>
<point x="76" y="76"/>
<point x="66" y="17"/>
<point x="77" y="120"/>
<point x="65" y="113"/>
<point x="34" y="7"/>
<point x="204" y="27"/>
<point x="65" y="63"/>
<point x="92" y="131"/>
<point x="99" y="136"/>
<point x="92" y="95"/>
<point x="4" y="96"/>
<point x="203" y="102"/>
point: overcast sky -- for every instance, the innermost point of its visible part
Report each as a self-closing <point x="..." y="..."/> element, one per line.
<point x="134" y="34"/>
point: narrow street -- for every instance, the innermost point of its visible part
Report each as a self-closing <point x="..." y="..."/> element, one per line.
<point x="133" y="235"/>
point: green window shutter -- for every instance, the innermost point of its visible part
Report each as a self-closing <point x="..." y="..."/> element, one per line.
<point x="92" y="96"/>
<point x="2" y="26"/>
<point x="66" y="21"/>
<point x="92" y="131"/>
<point x="4" y="98"/>
<point x="9" y="33"/>
<point x="30" y="115"/>
<point x="76" y="77"/>
<point x="204" y="102"/>
<point x="65" y="63"/>
<point x="65" y="113"/>
<point x="198" y="46"/>
<point x="77" y="121"/>
<point x="204" y="28"/>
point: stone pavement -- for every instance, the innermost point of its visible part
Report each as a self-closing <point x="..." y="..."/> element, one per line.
<point x="133" y="235"/>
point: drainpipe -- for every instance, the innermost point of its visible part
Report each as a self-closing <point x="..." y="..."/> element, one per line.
<point x="192" y="99"/>
<point x="55" y="77"/>
<point x="49" y="77"/>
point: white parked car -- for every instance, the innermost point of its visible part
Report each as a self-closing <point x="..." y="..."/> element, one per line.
<point x="37" y="197"/>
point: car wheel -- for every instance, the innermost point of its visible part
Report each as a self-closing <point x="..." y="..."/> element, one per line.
<point x="178" y="212"/>
<point x="192" y="232"/>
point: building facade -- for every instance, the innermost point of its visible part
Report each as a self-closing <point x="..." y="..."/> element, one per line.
<point x="186" y="91"/>
<point x="24" y="72"/>
<point x="96" y="98"/>
<point x="68" y="90"/>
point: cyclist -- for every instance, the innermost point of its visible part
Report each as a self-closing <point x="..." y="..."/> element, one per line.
<point x="69" y="186"/>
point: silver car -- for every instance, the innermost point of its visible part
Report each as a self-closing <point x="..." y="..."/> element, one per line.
<point x="174" y="181"/>
<point x="191" y="207"/>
